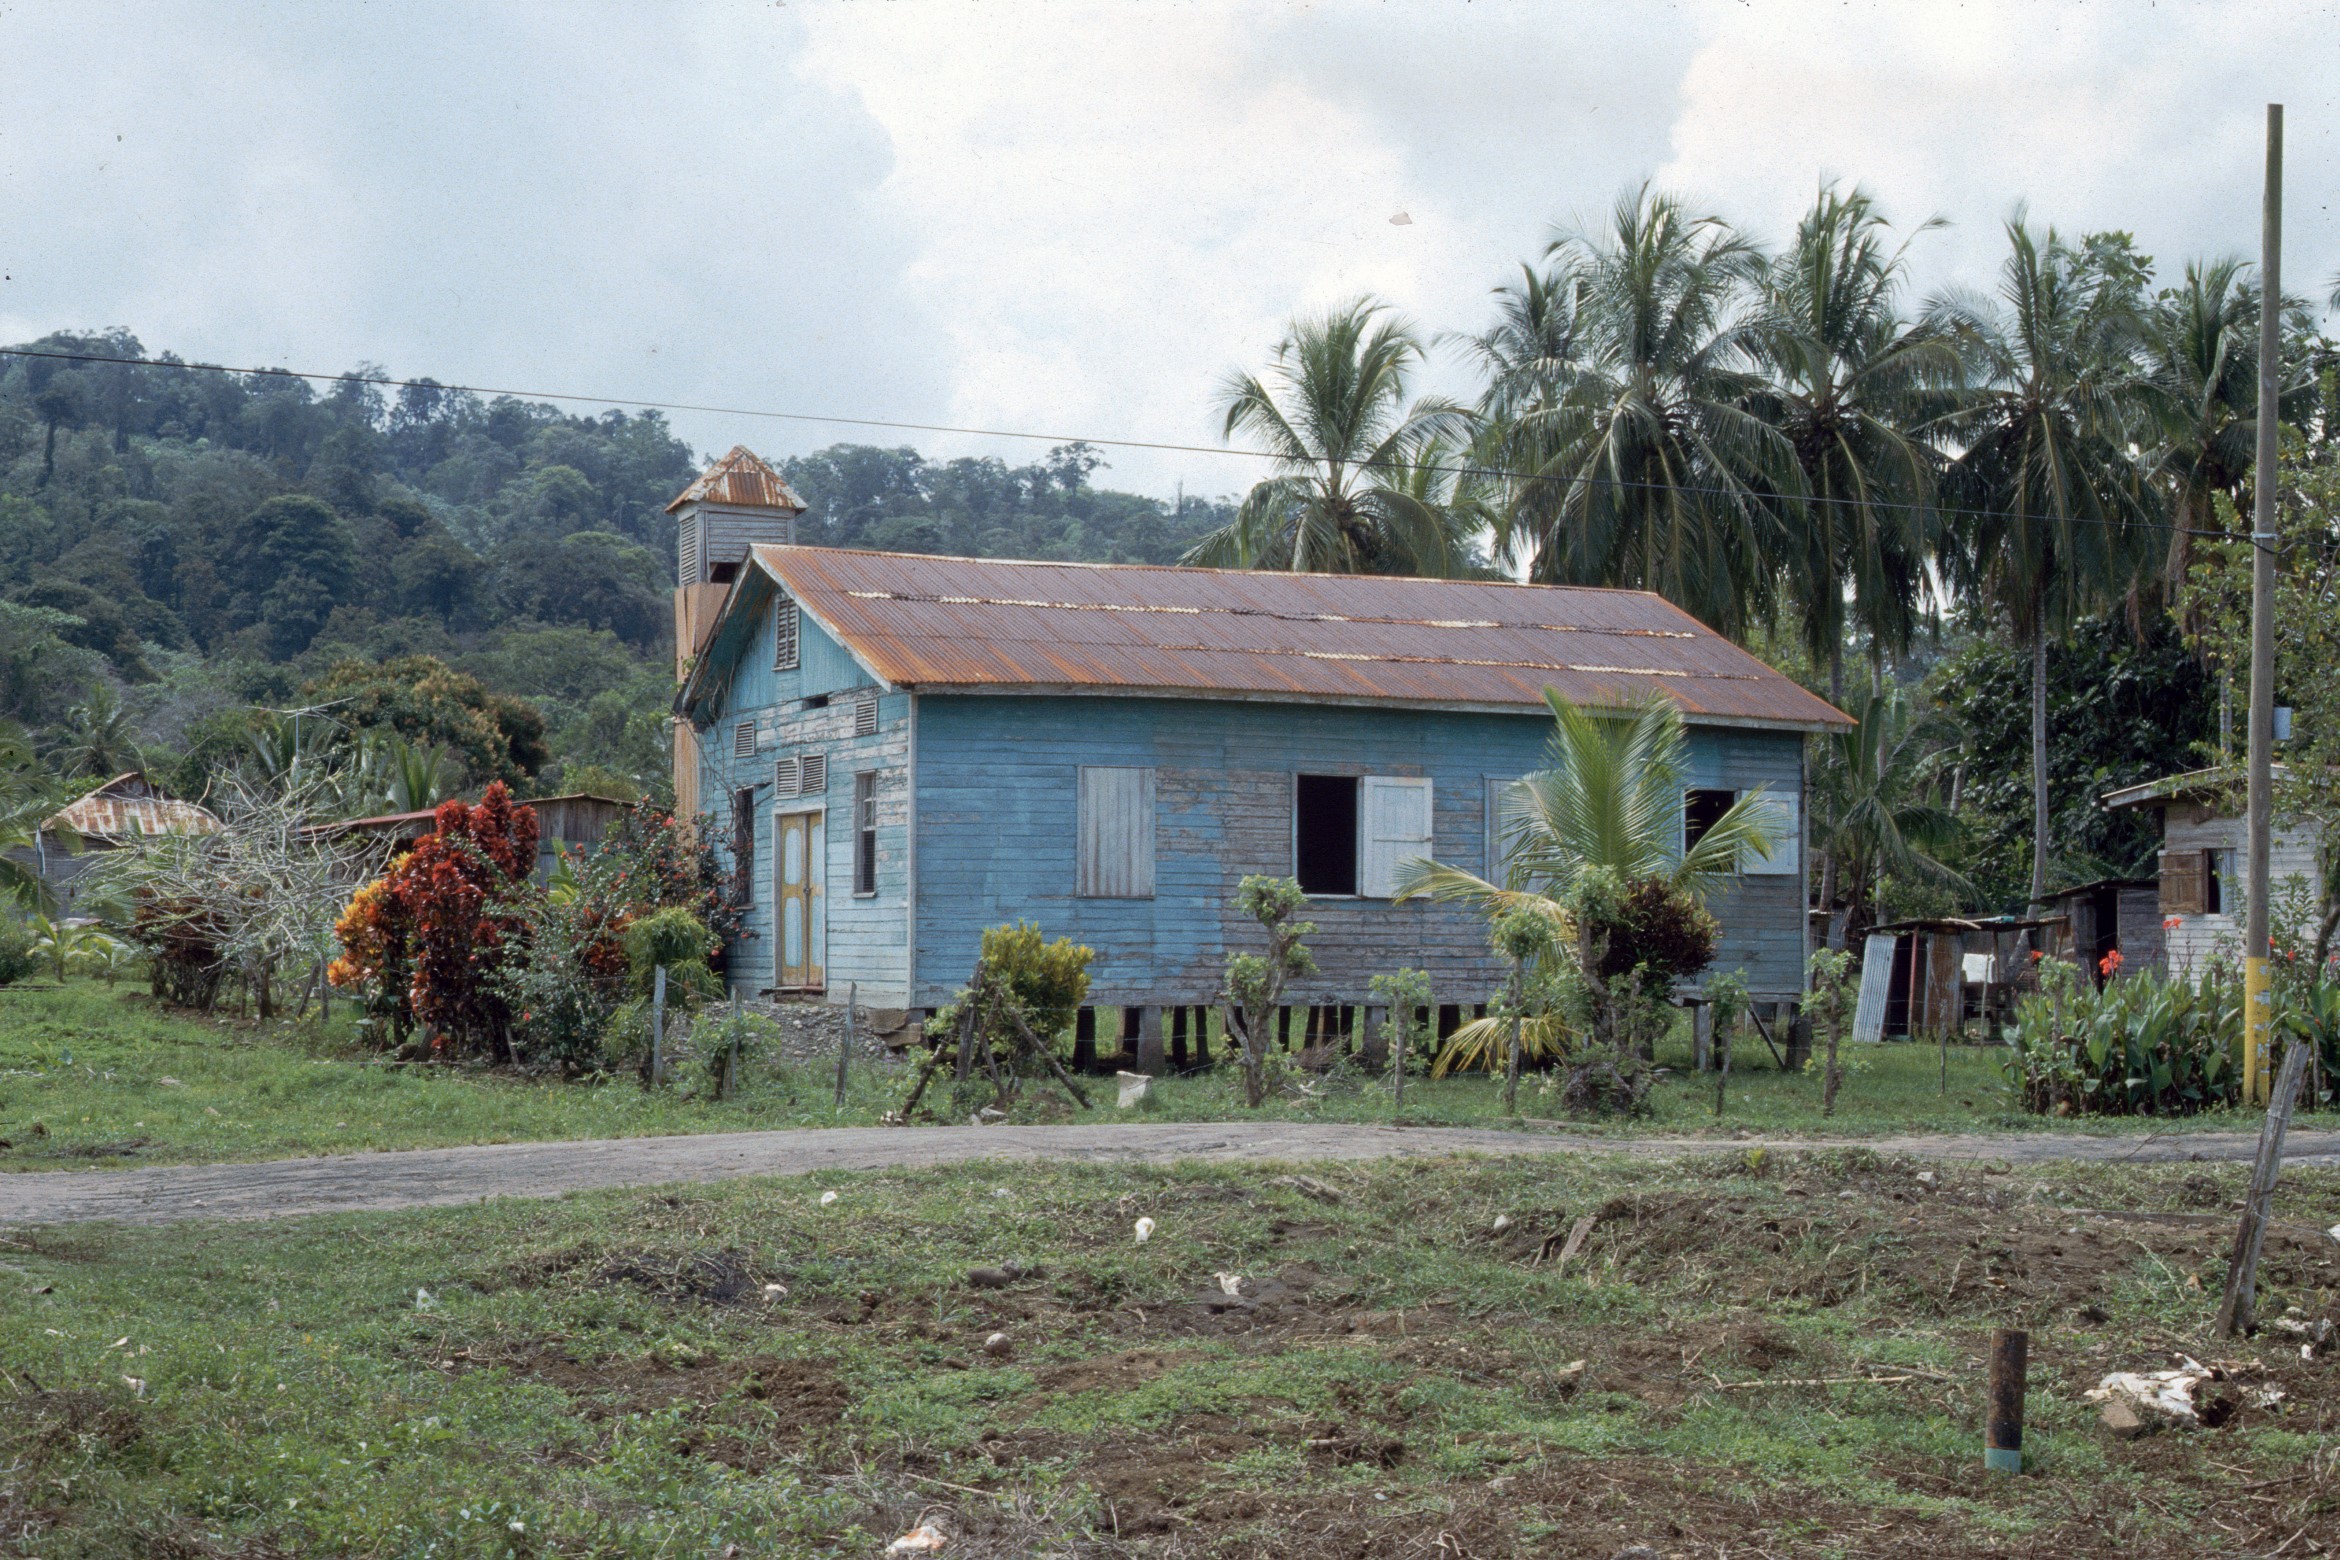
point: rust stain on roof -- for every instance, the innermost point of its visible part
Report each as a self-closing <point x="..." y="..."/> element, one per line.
<point x="973" y="624"/>
<point x="740" y="480"/>
<point x="130" y="805"/>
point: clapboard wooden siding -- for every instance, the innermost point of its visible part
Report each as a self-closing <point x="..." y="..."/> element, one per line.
<point x="815" y="709"/>
<point x="998" y="803"/>
<point x="2189" y="831"/>
<point x="1127" y="819"/>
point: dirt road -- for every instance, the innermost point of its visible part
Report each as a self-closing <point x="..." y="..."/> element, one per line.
<point x="433" y="1177"/>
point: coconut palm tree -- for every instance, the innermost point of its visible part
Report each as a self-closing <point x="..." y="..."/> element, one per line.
<point x="1333" y="412"/>
<point x="1641" y="460"/>
<point x="1871" y="815"/>
<point x="101" y="738"/>
<point x="1851" y="379"/>
<point x="1608" y="798"/>
<point x="2202" y="386"/>
<point x="1605" y="810"/>
<point x="28" y="798"/>
<point x="1526" y="355"/>
<point x="2056" y="515"/>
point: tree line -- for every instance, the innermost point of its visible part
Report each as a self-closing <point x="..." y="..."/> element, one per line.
<point x="187" y="555"/>
<point x="1795" y="447"/>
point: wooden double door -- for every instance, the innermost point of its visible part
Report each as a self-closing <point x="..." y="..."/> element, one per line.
<point x="799" y="902"/>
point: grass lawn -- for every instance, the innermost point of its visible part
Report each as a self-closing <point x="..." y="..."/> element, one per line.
<point x="1756" y="1354"/>
<point x="83" y="1072"/>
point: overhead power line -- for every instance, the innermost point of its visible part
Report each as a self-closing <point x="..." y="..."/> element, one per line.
<point x="387" y="382"/>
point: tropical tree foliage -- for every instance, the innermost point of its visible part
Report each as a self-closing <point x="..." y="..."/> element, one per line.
<point x="1358" y="485"/>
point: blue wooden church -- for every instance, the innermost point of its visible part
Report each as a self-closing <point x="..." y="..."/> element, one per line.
<point x="901" y="750"/>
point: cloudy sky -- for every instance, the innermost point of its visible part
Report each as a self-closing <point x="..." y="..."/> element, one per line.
<point x="1063" y="218"/>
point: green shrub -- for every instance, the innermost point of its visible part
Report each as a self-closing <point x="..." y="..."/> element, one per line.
<point x="1049" y="979"/>
<point x="16" y="950"/>
<point x="723" y="1046"/>
<point x="2143" y="1046"/>
<point x="680" y="941"/>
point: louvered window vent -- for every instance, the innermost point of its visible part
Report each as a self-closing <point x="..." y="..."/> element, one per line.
<point x="815" y="774"/>
<point x="786" y="778"/>
<point x="784" y="636"/>
<point x="865" y="715"/>
<point x="743" y="740"/>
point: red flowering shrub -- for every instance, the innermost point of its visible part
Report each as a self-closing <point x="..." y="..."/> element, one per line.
<point x="443" y="917"/>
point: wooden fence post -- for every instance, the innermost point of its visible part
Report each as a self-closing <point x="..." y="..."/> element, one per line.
<point x="845" y="1043"/>
<point x="657" y="1026"/>
<point x="2003" y="1430"/>
<point x="2238" y="1306"/>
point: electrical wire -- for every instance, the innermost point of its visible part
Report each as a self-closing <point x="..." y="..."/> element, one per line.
<point x="387" y="382"/>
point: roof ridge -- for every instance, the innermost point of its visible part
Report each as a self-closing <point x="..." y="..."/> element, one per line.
<point x="1198" y="568"/>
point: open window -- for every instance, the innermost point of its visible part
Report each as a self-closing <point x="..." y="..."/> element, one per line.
<point x="1703" y="808"/>
<point x="1324" y="833"/>
<point x="1353" y="834"/>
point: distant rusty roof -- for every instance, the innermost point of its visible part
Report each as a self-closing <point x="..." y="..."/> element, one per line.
<point x="740" y="480"/>
<point x="977" y="624"/>
<point x="129" y="805"/>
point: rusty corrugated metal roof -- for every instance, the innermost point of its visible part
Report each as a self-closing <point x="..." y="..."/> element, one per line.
<point x="129" y="805"/>
<point x="741" y="480"/>
<point x="981" y="623"/>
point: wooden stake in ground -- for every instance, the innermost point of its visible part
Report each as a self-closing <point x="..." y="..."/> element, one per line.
<point x="657" y="1025"/>
<point x="2238" y="1306"/>
<point x="2003" y="1430"/>
<point x="845" y="1041"/>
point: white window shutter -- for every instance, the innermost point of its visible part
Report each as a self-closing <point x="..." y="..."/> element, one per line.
<point x="1116" y="834"/>
<point x="813" y="777"/>
<point x="786" y="777"/>
<point x="1778" y="814"/>
<point x="1396" y="826"/>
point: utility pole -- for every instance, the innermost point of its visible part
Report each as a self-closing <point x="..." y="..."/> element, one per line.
<point x="2238" y="1303"/>
<point x="2264" y="474"/>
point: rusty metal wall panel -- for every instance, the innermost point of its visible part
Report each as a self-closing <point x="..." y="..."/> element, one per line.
<point x="932" y="622"/>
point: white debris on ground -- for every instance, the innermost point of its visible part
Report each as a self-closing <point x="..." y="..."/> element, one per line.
<point x="2136" y="1401"/>
<point x="2316" y="1338"/>
<point x="1502" y="1223"/>
<point x="924" y="1539"/>
<point x="774" y="1293"/>
<point x="1133" y="1088"/>
<point x="828" y="1198"/>
<point x="1145" y="1231"/>
<point x="1230" y="1283"/>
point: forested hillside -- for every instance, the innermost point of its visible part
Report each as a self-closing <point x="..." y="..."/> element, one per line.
<point x="184" y="552"/>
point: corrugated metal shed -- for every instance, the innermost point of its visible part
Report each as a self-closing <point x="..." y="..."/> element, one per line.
<point x="985" y="624"/>
<point x="741" y="480"/>
<point x="130" y="805"/>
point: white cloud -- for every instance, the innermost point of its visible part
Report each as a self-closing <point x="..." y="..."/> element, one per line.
<point x="1071" y="218"/>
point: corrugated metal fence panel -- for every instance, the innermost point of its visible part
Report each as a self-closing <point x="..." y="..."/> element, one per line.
<point x="1116" y="833"/>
